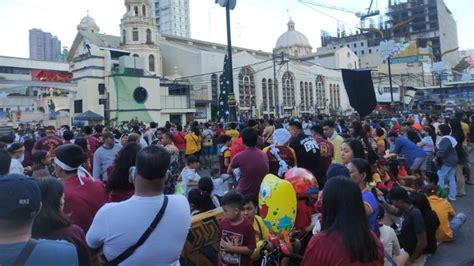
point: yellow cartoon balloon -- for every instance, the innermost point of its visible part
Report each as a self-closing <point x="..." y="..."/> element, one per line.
<point x="277" y="201"/>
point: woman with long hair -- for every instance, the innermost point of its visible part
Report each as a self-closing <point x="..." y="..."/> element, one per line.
<point x="119" y="186"/>
<point x="345" y="237"/>
<point x="350" y="149"/>
<point x="458" y="134"/>
<point x="51" y="222"/>
<point x="430" y="218"/>
<point x="361" y="174"/>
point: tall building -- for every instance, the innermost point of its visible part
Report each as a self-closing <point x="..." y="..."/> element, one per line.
<point x="433" y="27"/>
<point x="172" y="17"/>
<point x="44" y="46"/>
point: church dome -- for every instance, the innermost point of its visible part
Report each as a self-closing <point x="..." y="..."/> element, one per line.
<point x="292" y="38"/>
<point x="88" y="24"/>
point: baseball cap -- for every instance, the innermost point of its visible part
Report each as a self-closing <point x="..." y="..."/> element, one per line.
<point x="20" y="197"/>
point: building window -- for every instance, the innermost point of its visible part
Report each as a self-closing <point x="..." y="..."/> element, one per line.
<point x="124" y="36"/>
<point x="370" y="51"/>
<point x="272" y="92"/>
<point x="78" y="106"/>
<point x="320" y="93"/>
<point x="135" y="11"/>
<point x="355" y="45"/>
<point x="144" y="10"/>
<point x="362" y="52"/>
<point x="214" y="88"/>
<point x="311" y="96"/>
<point x="264" y="95"/>
<point x="362" y="44"/>
<point x="247" y="88"/>
<point x="302" y="96"/>
<point x="151" y="63"/>
<point x="135" y="55"/>
<point x="135" y="34"/>
<point x="101" y="88"/>
<point x="148" y="36"/>
<point x="288" y="89"/>
<point x="338" y="96"/>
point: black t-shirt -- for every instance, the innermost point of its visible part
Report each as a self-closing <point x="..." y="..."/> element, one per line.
<point x="307" y="155"/>
<point x="432" y="224"/>
<point x="413" y="224"/>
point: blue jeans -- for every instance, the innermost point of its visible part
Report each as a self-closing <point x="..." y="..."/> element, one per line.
<point x="456" y="223"/>
<point x="449" y="174"/>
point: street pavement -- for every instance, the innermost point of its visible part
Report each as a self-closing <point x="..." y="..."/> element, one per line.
<point x="459" y="252"/>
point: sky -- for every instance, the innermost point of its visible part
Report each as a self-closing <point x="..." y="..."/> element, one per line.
<point x="256" y="24"/>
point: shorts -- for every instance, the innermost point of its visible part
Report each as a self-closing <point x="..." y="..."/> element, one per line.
<point x="420" y="164"/>
<point x="206" y="150"/>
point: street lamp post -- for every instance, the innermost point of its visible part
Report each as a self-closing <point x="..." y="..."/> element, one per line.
<point x="230" y="5"/>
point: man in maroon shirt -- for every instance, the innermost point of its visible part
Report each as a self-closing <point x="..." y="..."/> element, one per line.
<point x="49" y="142"/>
<point x="325" y="147"/>
<point x="83" y="196"/>
<point x="252" y="163"/>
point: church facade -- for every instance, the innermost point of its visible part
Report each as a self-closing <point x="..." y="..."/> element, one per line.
<point x="149" y="76"/>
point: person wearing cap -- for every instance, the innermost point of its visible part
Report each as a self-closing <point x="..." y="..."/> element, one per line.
<point x="118" y="226"/>
<point x="17" y="151"/>
<point x="49" y="142"/>
<point x="413" y="237"/>
<point x="104" y="157"/>
<point x="83" y="196"/>
<point x="20" y="202"/>
<point x="280" y="156"/>
<point x="450" y="222"/>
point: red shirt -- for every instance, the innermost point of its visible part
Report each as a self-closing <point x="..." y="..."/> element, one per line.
<point x="253" y="165"/>
<point x="328" y="249"/>
<point x="118" y="195"/>
<point x="74" y="235"/>
<point x="179" y="141"/>
<point x="241" y="235"/>
<point x="237" y="147"/>
<point x="303" y="215"/>
<point x="81" y="202"/>
<point x="326" y="150"/>
<point x="49" y="144"/>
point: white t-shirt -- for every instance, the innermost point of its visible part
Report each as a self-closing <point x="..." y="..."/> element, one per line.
<point x="221" y="186"/>
<point x="189" y="174"/>
<point x="16" y="167"/>
<point x="390" y="242"/>
<point x="117" y="226"/>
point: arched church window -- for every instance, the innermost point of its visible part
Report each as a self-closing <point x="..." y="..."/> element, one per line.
<point x="306" y="96"/>
<point x="271" y="95"/>
<point x="247" y="87"/>
<point x="148" y="36"/>
<point x="338" y="96"/>
<point x="288" y="89"/>
<point x="135" y="35"/>
<point x="214" y="88"/>
<point x="264" y="94"/>
<point x="144" y="10"/>
<point x="151" y="63"/>
<point x="135" y="55"/>
<point x="302" y="96"/>
<point x="135" y="11"/>
<point x="124" y="36"/>
<point x="311" y="95"/>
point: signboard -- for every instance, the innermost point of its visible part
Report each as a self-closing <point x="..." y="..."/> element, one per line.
<point x="404" y="60"/>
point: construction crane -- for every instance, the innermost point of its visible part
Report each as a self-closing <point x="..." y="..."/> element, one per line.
<point x="361" y="15"/>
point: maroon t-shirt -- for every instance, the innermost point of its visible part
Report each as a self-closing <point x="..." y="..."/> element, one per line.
<point x="326" y="150"/>
<point x="328" y="249"/>
<point x="74" y="235"/>
<point x="241" y="235"/>
<point x="179" y="141"/>
<point x="81" y="202"/>
<point x="49" y="144"/>
<point x="253" y="165"/>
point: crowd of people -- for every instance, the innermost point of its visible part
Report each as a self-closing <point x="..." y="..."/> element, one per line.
<point x="126" y="195"/>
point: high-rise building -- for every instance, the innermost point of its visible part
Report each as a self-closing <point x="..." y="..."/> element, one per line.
<point x="172" y="17"/>
<point x="432" y="26"/>
<point x="44" y="46"/>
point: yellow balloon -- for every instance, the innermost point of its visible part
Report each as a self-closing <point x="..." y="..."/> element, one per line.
<point x="277" y="201"/>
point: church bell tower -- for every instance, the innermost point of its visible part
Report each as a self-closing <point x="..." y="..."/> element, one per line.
<point x="139" y="35"/>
